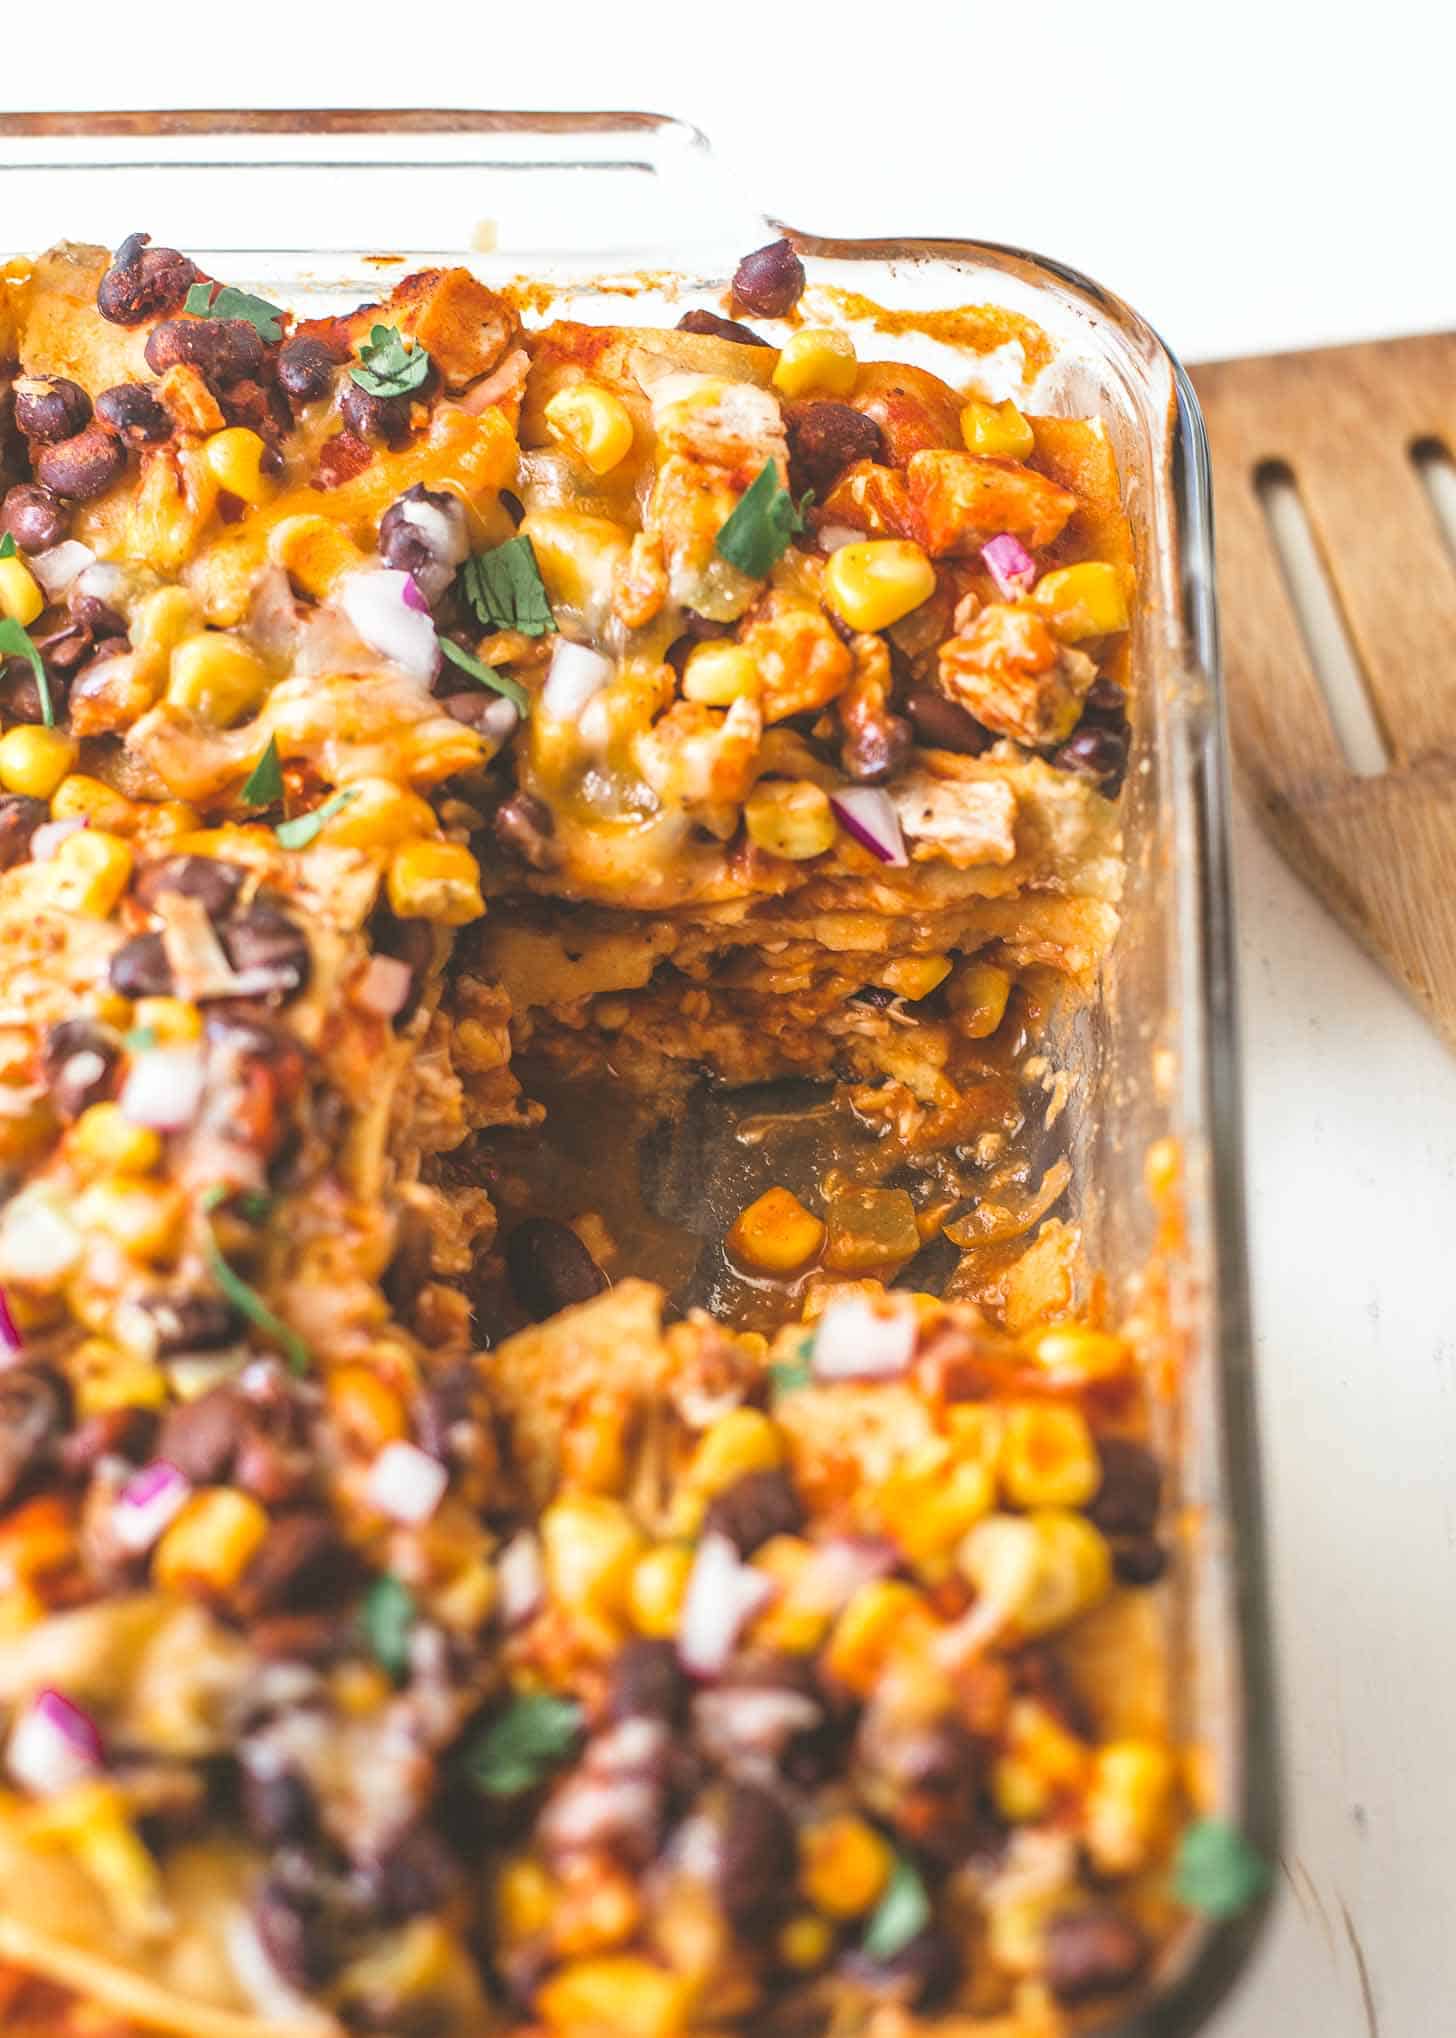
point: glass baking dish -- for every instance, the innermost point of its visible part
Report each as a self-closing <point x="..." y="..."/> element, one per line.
<point x="626" y="217"/>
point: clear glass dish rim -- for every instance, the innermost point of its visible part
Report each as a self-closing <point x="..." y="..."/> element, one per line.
<point x="1209" y="1035"/>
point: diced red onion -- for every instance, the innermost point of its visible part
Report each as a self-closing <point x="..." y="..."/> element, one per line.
<point x="831" y="537"/>
<point x="499" y="720"/>
<point x="414" y="596"/>
<point x="384" y="986"/>
<point x="378" y="607"/>
<point x="39" y="1243"/>
<point x="271" y="1996"/>
<point x="752" y="1723"/>
<point x="856" y="1340"/>
<point x="10" y="1339"/>
<point x="164" y="1088"/>
<point x="59" y="565"/>
<point x="49" y="836"/>
<point x="866" y="813"/>
<point x="838" y="1569"/>
<point x="103" y="580"/>
<point x="53" y="1745"/>
<point x="723" y="1595"/>
<point x="147" y="1502"/>
<point x="522" y="1579"/>
<point x="1010" y="565"/>
<point x="577" y="675"/>
<point x="443" y="530"/>
<point x="406" y="1483"/>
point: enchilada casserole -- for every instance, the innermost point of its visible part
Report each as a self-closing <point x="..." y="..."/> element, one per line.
<point x="561" y="1468"/>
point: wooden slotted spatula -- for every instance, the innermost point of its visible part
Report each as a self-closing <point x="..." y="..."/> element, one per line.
<point x="1342" y="433"/>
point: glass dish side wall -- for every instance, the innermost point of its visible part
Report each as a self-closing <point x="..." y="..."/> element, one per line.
<point x="279" y="200"/>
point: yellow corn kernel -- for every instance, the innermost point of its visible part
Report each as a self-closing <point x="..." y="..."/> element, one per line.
<point x="34" y="759"/>
<point x="998" y="429"/>
<point x="719" y="673"/>
<point x="379" y="815"/>
<point x="578" y="557"/>
<point x="236" y="459"/>
<point x="217" y="677"/>
<point x="930" y="1501"/>
<point x="1082" y="601"/>
<point x="1037" y="1737"/>
<point x="593" y="422"/>
<point x="616" y="1996"/>
<point x="798" y="1617"/>
<point x="145" y="1218"/>
<point x="365" y="1408"/>
<point x="1070" y="1351"/>
<point x="868" y="1630"/>
<point x="805" y="1942"/>
<point x="978" y="996"/>
<point x="90" y="871"/>
<point x="1048" y="1458"/>
<point x="816" y="358"/>
<point x="176" y="1022"/>
<point x="103" y="1141"/>
<point x="874" y="582"/>
<point x="1018" y="1793"/>
<point x="743" y="1441"/>
<point x="164" y="822"/>
<point x="657" y="1588"/>
<point x="21" y="596"/>
<point x="597" y="1907"/>
<point x="159" y="622"/>
<point x="360" y="1690"/>
<point x="1128" y="1804"/>
<point x="525" y="1896"/>
<point x="93" y="1819"/>
<point x="314" y="551"/>
<point x="437" y="881"/>
<point x="79" y="798"/>
<point x="211" y="1542"/>
<point x="915" y="976"/>
<point x="1016" y="1931"/>
<point x="790" y="817"/>
<point x="844" y="1864"/>
<point x="103" y="1377"/>
<point x="775" y="1234"/>
<point x="1039" y="1570"/>
<point x="591" y="1546"/>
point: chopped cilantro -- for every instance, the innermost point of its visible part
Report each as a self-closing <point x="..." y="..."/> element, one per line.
<point x="264" y="783"/>
<point x="387" y="366"/>
<point x="788" y="1375"/>
<point x="298" y="833"/>
<point x="213" y="300"/>
<point x="506" y="591"/>
<point x="7" y="546"/>
<point x="387" y="1617"/>
<point x="901" y="1914"/>
<point x="248" y="1302"/>
<point x="140" y="1039"/>
<point x="15" y="643"/>
<point x="498" y="682"/>
<point x="532" y="1735"/>
<point x="757" y="534"/>
<point x="1217" y="1871"/>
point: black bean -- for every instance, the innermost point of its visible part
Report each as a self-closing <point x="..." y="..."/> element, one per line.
<point x="876" y="743"/>
<point x="375" y="417"/>
<point x="1096" y="753"/>
<point x="83" y="467"/>
<point x="719" y="328"/>
<point x="134" y="413"/>
<point x="1141" y="1560"/>
<point x="266" y="938"/>
<point x="34" y="1409"/>
<point x="473" y="708"/>
<point x="306" y="369"/>
<point x="140" y="969"/>
<point x="1127" y="1501"/>
<point x="278" y="1808"/>
<point x="34" y="517"/>
<point x="201" y="1437"/>
<point x="754" y="1508"/>
<point x="1105" y="700"/>
<point x="49" y="408"/>
<point x="1092" y="1953"/>
<point x="406" y="546"/>
<point x="113" y="1433"/>
<point x="290" y="1922"/>
<point x="79" y="1060"/>
<point x="647" y="1683"/>
<point x="19" y="819"/>
<point x="303" y="1565"/>
<point x="143" y="282"/>
<point x="222" y="350"/>
<point x="923" y="1973"/>
<point x="524" y="827"/>
<point x="549" y="1267"/>
<point x="923" y="1778"/>
<point x="417" y="1874"/>
<point x="758" y="1856"/>
<point x="212" y="880"/>
<point x="945" y="725"/>
<point x="824" y="439"/>
<point x="770" y="281"/>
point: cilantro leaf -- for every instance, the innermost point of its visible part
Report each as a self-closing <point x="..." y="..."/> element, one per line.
<point x="298" y="833"/>
<point x="140" y="1039"/>
<point x="498" y="682"/>
<point x="1217" y="1871"/>
<point x="506" y="591"/>
<point x="387" y="366"/>
<point x="387" y="1617"/>
<point x="209" y="300"/>
<point x="248" y="1302"/>
<point x="15" y="643"/>
<point x="757" y="534"/>
<point x="532" y="1735"/>
<point x="264" y="783"/>
<point x="787" y="1376"/>
<point x="901" y="1914"/>
<point x="7" y="546"/>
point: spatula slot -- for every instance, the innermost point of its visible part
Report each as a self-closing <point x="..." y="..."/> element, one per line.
<point x="1315" y="602"/>
<point x="1437" y="471"/>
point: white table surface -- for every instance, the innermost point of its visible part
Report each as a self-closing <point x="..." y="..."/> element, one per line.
<point x="1249" y="177"/>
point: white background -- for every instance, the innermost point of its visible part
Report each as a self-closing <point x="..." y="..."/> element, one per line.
<point x="1249" y="177"/>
